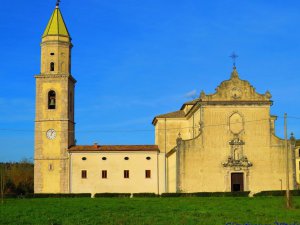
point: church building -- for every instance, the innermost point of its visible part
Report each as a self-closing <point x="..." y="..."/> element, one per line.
<point x="218" y="142"/>
<point x="224" y="141"/>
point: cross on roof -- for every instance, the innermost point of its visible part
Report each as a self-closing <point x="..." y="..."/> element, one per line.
<point x="57" y="2"/>
<point x="233" y="56"/>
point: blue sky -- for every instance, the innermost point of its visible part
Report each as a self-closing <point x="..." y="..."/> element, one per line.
<point x="137" y="59"/>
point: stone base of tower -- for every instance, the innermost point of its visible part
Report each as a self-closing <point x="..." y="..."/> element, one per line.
<point x="51" y="176"/>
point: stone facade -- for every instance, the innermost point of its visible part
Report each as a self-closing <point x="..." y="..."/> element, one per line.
<point x="223" y="142"/>
<point x="297" y="163"/>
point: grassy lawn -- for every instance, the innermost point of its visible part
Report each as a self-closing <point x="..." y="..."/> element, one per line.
<point x="193" y="210"/>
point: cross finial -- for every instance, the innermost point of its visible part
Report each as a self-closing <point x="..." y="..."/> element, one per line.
<point x="233" y="56"/>
<point x="57" y="2"/>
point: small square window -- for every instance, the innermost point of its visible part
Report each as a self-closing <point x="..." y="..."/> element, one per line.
<point x="148" y="173"/>
<point x="83" y="174"/>
<point x="126" y="173"/>
<point x="104" y="174"/>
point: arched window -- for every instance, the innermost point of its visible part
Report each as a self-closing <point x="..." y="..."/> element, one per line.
<point x="51" y="100"/>
<point x="299" y="152"/>
<point x="52" y="66"/>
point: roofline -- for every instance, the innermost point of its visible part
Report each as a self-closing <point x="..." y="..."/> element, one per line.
<point x="200" y="102"/>
<point x="169" y="153"/>
<point x="182" y="107"/>
<point x="97" y="148"/>
<point x="110" y="151"/>
<point x="154" y="121"/>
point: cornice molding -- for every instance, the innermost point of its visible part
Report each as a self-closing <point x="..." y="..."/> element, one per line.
<point x="47" y="76"/>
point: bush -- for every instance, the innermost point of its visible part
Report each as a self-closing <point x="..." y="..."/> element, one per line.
<point x="11" y="195"/>
<point x="148" y="195"/>
<point x="208" y="194"/>
<point x="112" y="195"/>
<point x="49" y="195"/>
<point x="277" y="193"/>
<point x="172" y="195"/>
<point x="24" y="188"/>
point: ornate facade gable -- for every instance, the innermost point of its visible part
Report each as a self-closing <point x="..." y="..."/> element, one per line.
<point x="236" y="89"/>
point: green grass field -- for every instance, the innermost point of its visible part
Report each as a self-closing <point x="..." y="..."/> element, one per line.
<point x="189" y="210"/>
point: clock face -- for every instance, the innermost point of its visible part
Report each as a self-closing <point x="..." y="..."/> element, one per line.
<point x="51" y="134"/>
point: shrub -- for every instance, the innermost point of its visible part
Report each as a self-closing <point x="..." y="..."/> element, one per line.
<point x="112" y="195"/>
<point x="11" y="195"/>
<point x="148" y="195"/>
<point x="171" y="194"/>
<point x="208" y="194"/>
<point x="50" y="195"/>
<point x="277" y="193"/>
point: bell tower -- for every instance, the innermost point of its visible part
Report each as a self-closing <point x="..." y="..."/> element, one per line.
<point x="54" y="118"/>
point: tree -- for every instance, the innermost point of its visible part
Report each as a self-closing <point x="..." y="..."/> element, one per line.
<point x="2" y="181"/>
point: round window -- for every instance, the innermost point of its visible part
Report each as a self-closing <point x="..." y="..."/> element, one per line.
<point x="83" y="158"/>
<point x="103" y="158"/>
<point x="148" y="158"/>
<point x="126" y="158"/>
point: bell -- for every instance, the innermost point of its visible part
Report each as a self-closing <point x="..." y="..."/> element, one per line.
<point x="52" y="102"/>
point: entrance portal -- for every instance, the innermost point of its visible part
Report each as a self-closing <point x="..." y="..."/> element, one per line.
<point x="237" y="182"/>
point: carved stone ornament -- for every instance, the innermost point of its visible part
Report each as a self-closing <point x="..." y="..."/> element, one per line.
<point x="179" y="139"/>
<point x="201" y="127"/>
<point x="236" y="93"/>
<point x="242" y="163"/>
<point x="268" y="95"/>
<point x="236" y="141"/>
<point x="236" y="90"/>
<point x="202" y="95"/>
<point x="237" y="159"/>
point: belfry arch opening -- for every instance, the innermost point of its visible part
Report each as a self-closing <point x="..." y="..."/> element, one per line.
<point x="51" y="99"/>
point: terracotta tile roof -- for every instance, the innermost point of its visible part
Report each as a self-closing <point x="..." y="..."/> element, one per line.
<point x="193" y="102"/>
<point x="176" y="114"/>
<point x="79" y="148"/>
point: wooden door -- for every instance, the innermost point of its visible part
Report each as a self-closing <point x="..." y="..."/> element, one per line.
<point x="237" y="182"/>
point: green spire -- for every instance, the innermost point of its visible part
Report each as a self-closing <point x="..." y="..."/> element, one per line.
<point x="56" y="25"/>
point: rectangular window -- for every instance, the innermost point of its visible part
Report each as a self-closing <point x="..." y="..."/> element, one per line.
<point x="299" y="165"/>
<point x="50" y="167"/>
<point x="126" y="173"/>
<point x="148" y="173"/>
<point x="104" y="174"/>
<point x="83" y="174"/>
